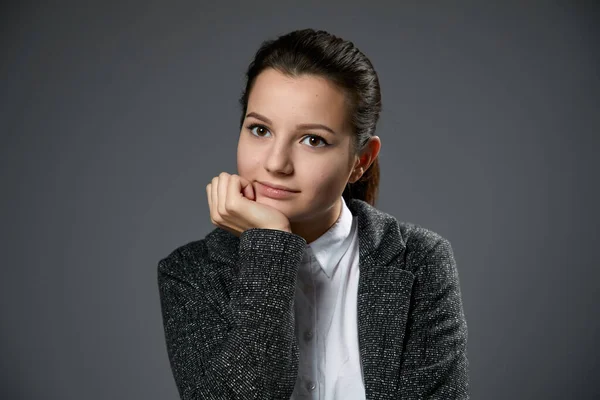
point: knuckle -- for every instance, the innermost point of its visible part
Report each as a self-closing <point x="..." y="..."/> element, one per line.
<point x="229" y="205"/>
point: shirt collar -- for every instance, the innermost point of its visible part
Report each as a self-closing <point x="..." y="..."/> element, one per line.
<point x="329" y="248"/>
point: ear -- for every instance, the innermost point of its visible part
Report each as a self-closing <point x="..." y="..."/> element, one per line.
<point x="366" y="158"/>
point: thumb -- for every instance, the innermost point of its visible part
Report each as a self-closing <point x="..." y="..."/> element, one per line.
<point x="247" y="188"/>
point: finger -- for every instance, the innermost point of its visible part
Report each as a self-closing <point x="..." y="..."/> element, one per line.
<point x="222" y="193"/>
<point x="234" y="192"/>
<point x="246" y="188"/>
<point x="209" y="200"/>
<point x="214" y="199"/>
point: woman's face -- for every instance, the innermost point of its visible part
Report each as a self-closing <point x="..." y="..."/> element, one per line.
<point x="275" y="147"/>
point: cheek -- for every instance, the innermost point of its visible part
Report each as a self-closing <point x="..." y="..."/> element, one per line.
<point x="325" y="185"/>
<point x="247" y="161"/>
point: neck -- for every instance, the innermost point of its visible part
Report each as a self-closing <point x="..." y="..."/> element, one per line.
<point x="313" y="228"/>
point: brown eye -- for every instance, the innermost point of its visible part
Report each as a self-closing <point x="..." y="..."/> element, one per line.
<point x="314" y="139"/>
<point x="260" y="130"/>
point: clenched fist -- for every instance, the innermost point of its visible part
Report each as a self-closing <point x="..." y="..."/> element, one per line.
<point x="233" y="206"/>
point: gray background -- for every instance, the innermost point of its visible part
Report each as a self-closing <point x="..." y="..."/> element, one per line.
<point x="113" y="119"/>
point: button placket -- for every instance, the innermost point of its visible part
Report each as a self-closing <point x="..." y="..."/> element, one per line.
<point x="306" y="309"/>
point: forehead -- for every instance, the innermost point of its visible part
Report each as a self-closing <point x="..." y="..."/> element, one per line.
<point x="304" y="98"/>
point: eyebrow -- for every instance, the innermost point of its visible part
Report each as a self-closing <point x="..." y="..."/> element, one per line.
<point x="299" y="126"/>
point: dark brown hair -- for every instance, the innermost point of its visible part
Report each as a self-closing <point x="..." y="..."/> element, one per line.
<point x="319" y="53"/>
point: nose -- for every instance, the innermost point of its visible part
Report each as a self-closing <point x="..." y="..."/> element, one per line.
<point x="278" y="160"/>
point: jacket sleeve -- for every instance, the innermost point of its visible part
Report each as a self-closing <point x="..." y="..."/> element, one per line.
<point x="246" y="349"/>
<point x="435" y="364"/>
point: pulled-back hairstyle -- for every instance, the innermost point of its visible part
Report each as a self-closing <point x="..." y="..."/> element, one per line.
<point x="322" y="54"/>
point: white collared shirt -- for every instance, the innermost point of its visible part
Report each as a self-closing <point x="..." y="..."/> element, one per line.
<point x="326" y="315"/>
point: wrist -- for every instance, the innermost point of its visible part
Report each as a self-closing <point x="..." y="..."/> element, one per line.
<point x="286" y="228"/>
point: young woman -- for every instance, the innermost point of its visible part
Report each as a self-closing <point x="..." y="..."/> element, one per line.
<point x="304" y="289"/>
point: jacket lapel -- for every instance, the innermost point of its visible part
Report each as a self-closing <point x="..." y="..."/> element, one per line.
<point x="384" y="291"/>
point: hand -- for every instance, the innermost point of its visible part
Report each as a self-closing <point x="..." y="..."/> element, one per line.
<point x="233" y="206"/>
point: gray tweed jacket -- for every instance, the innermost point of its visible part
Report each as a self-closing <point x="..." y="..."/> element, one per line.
<point x="228" y="312"/>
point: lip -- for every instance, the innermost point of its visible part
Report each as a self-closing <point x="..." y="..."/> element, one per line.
<point x="274" y="186"/>
<point x="278" y="192"/>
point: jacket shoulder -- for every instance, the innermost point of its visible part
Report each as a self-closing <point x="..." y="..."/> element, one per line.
<point x="186" y="260"/>
<point x="420" y="243"/>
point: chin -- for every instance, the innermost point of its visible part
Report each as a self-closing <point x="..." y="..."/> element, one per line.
<point x="279" y="204"/>
<point x="285" y="206"/>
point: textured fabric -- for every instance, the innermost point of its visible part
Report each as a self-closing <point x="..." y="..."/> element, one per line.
<point x="228" y="312"/>
<point x="326" y="315"/>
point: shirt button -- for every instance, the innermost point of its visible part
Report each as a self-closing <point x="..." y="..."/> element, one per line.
<point x="311" y="386"/>
<point x="308" y="335"/>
